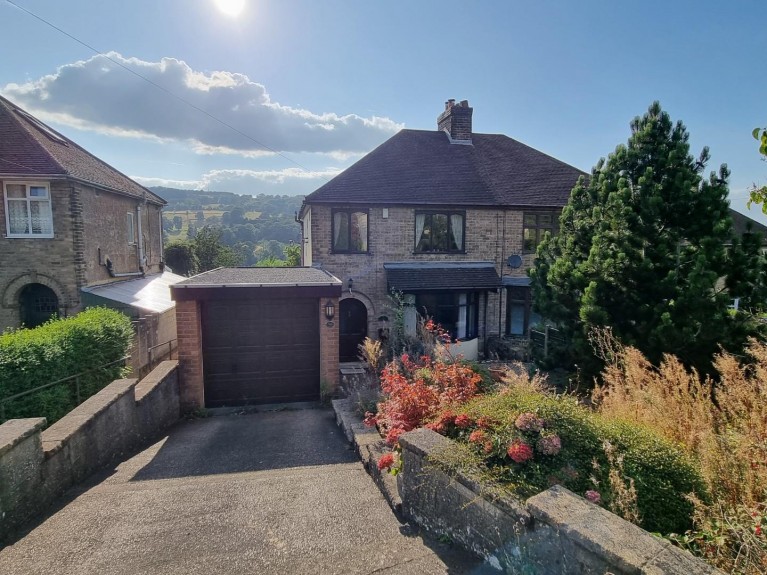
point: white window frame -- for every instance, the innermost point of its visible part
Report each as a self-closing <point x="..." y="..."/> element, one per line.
<point x="131" y="225"/>
<point x="29" y="200"/>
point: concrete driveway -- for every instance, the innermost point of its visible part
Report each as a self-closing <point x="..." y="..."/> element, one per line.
<point x="269" y="492"/>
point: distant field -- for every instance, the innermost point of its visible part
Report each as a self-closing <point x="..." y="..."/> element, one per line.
<point x="188" y="216"/>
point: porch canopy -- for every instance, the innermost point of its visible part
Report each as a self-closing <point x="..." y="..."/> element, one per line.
<point x="412" y="277"/>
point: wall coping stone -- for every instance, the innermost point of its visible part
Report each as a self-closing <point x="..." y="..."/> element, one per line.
<point x="154" y="378"/>
<point x="14" y="431"/>
<point x="60" y="432"/>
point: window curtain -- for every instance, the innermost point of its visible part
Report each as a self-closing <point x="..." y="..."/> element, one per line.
<point x="18" y="217"/>
<point x="420" y="222"/>
<point x="460" y="326"/>
<point x="456" y="227"/>
<point x="339" y="230"/>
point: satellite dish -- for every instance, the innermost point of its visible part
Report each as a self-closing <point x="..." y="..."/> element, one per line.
<point x="515" y="261"/>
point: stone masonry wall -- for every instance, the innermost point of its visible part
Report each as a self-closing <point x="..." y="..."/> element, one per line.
<point x="491" y="235"/>
<point x="37" y="466"/>
<point x="552" y="533"/>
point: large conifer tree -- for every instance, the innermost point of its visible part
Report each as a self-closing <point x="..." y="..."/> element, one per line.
<point x="641" y="247"/>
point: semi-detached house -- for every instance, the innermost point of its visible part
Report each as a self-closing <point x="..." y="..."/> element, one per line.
<point x="449" y="218"/>
<point x="74" y="231"/>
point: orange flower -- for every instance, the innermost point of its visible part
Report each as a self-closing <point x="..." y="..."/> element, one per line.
<point x="519" y="451"/>
<point x="386" y="461"/>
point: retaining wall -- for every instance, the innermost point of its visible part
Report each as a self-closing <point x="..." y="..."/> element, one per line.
<point x="553" y="533"/>
<point x="37" y="465"/>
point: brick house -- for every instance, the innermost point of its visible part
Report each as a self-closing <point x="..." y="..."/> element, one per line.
<point x="450" y="218"/>
<point x="70" y="222"/>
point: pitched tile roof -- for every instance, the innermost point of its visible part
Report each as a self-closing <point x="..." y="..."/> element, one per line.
<point x="741" y="223"/>
<point x="422" y="167"/>
<point x="30" y="148"/>
<point x="428" y="276"/>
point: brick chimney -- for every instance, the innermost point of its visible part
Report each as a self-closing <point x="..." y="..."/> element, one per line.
<point x="456" y="121"/>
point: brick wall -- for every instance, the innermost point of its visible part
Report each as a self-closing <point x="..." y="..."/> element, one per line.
<point x="189" y="333"/>
<point x="329" y="370"/>
<point x="491" y="235"/>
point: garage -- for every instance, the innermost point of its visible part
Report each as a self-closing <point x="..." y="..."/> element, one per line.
<point x="256" y="335"/>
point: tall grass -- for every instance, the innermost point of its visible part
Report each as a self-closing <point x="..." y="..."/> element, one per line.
<point x="722" y="424"/>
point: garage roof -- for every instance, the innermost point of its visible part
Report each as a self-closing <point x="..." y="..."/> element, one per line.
<point x="260" y="277"/>
<point x="258" y="283"/>
<point x="434" y="276"/>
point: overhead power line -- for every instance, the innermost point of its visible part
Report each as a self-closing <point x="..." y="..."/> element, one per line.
<point x="161" y="88"/>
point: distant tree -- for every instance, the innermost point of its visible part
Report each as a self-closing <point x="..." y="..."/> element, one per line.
<point x="641" y="248"/>
<point x="759" y="195"/>
<point x="210" y="252"/>
<point x="178" y="223"/>
<point x="292" y="255"/>
<point x="181" y="258"/>
<point x="200" y="216"/>
<point x="191" y="231"/>
<point x="167" y="224"/>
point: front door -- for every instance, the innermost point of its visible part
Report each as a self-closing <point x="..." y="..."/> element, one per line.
<point x="353" y="328"/>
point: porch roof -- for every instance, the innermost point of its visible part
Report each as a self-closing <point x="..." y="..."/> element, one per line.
<point x="442" y="276"/>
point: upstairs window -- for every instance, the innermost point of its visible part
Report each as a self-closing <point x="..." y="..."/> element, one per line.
<point x="350" y="231"/>
<point x="28" y="211"/>
<point x="439" y="232"/>
<point x="535" y="227"/>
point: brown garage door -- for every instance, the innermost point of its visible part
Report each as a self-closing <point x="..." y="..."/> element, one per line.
<point x="260" y="351"/>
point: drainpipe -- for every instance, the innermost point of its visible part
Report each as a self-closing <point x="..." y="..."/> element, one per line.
<point x="162" y="253"/>
<point x="141" y="259"/>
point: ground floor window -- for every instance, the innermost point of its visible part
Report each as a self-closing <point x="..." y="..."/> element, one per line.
<point x="457" y="312"/>
<point x="519" y="311"/>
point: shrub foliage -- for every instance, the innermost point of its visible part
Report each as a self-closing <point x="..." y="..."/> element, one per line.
<point x="58" y="349"/>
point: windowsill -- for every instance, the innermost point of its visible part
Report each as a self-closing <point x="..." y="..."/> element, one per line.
<point x="29" y="236"/>
<point x="336" y="252"/>
<point x="458" y="253"/>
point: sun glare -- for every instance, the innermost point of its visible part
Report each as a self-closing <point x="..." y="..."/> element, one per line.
<point x="230" y="7"/>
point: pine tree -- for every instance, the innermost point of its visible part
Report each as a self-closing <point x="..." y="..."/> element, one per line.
<point x="641" y="249"/>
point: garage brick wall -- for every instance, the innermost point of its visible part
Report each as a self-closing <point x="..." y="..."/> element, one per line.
<point x="191" y="384"/>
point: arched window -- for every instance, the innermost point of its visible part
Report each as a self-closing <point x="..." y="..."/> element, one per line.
<point x="38" y="304"/>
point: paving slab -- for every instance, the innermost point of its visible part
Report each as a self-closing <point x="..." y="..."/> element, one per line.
<point x="267" y="492"/>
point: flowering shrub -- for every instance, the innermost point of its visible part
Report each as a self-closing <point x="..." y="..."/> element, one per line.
<point x="415" y="390"/>
<point x="527" y="440"/>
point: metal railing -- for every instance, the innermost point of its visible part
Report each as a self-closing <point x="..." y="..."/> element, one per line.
<point x="154" y="357"/>
<point x="72" y="378"/>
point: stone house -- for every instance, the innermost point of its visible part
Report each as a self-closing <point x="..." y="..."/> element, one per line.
<point x="71" y="223"/>
<point x="450" y="218"/>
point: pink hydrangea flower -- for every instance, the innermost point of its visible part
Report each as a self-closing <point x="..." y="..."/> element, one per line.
<point x="528" y="422"/>
<point x="593" y="496"/>
<point x="549" y="444"/>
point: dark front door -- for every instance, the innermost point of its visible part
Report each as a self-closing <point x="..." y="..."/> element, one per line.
<point x="353" y="328"/>
<point x="38" y="304"/>
<point x="260" y="351"/>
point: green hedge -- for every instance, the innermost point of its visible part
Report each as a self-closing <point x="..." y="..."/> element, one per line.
<point x="58" y="349"/>
<point x="663" y="475"/>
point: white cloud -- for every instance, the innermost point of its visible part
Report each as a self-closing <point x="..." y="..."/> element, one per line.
<point x="99" y="95"/>
<point x="290" y="181"/>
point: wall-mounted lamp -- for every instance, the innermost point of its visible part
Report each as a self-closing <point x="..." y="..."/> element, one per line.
<point x="351" y="284"/>
<point x="330" y="310"/>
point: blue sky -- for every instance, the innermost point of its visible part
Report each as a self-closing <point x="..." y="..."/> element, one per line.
<point x="311" y="86"/>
